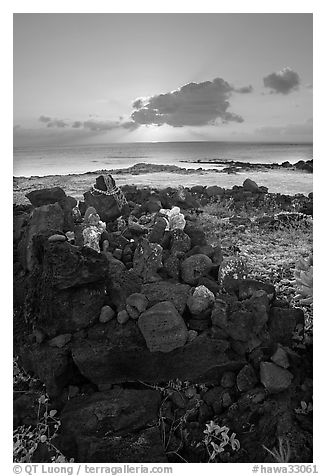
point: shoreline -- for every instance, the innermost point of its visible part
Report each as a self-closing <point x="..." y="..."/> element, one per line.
<point x="142" y="175"/>
<point x="232" y="167"/>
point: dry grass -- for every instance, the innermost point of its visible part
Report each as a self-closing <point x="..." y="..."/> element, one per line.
<point x="271" y="255"/>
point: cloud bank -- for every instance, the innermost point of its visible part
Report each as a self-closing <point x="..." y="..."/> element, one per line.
<point x="194" y="104"/>
<point x="282" y="82"/>
<point x="244" y="89"/>
<point x="53" y="122"/>
<point x="91" y="125"/>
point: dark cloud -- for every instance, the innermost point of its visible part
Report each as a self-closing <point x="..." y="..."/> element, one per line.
<point x="138" y="103"/>
<point x="50" y="122"/>
<point x="57" y="123"/>
<point x="93" y="125"/>
<point x="282" y="82"/>
<point x="129" y="125"/>
<point x="100" y="126"/>
<point x="195" y="104"/>
<point x="44" y="119"/>
<point x="244" y="89"/>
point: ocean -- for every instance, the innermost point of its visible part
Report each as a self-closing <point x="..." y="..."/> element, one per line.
<point x="62" y="160"/>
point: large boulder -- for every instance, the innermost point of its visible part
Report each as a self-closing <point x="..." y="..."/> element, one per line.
<point x="66" y="290"/>
<point x="148" y="260"/>
<point x="121" y="355"/>
<point x="153" y="205"/>
<point x="137" y="303"/>
<point x="214" y="191"/>
<point x="195" y="267"/>
<point x="180" y="242"/>
<point x="177" y="293"/>
<point x="246" y="378"/>
<point x="196" y="234"/>
<point x="282" y="323"/>
<point x="163" y="328"/>
<point x="213" y="252"/>
<point x="46" y="196"/>
<point x="232" y="269"/>
<point x="198" y="189"/>
<point x="156" y="235"/>
<point x="143" y="446"/>
<point x="200" y="300"/>
<point x="171" y="264"/>
<point x="108" y="207"/>
<point x="52" y="365"/>
<point x="241" y="320"/>
<point x="67" y="266"/>
<point x="115" y="426"/>
<point x="120" y="284"/>
<point x="250" y="186"/>
<point x="246" y="288"/>
<point x="20" y="222"/>
<point x="44" y="219"/>
<point x="117" y="410"/>
<point x="68" y="310"/>
<point x="274" y="378"/>
<point x="184" y="199"/>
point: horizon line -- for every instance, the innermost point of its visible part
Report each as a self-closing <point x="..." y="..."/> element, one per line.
<point x="170" y="142"/>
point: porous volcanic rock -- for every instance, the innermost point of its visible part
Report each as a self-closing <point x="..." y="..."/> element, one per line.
<point x="246" y="378"/>
<point x="156" y="235"/>
<point x="46" y="196"/>
<point x="177" y="293"/>
<point x="282" y="323"/>
<point x="180" y="242"/>
<point x="200" y="300"/>
<point x="280" y="358"/>
<point x="247" y="287"/>
<point x="196" y="234"/>
<point x="118" y="423"/>
<point x="120" y="284"/>
<point x="274" y="378"/>
<point x="69" y="310"/>
<point x="195" y="267"/>
<point x="163" y="328"/>
<point x="243" y="320"/>
<point x="250" y="186"/>
<point x="43" y="220"/>
<point x="52" y="365"/>
<point x="231" y="271"/>
<point x="60" y="340"/>
<point x="107" y="313"/>
<point x="138" y="302"/>
<point x="68" y="266"/>
<point x="147" y="260"/>
<point x="121" y="355"/>
<point x="215" y="191"/>
<point x="106" y="206"/>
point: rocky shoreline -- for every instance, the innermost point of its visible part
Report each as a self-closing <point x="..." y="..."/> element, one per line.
<point x="148" y="338"/>
<point x="234" y="166"/>
<point x="76" y="184"/>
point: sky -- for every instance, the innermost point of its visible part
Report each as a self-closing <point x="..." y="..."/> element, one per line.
<point x="99" y="78"/>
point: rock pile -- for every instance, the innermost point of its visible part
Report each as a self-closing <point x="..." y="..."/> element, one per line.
<point x="151" y="302"/>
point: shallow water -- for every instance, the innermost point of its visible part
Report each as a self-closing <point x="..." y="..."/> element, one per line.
<point x="80" y="159"/>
